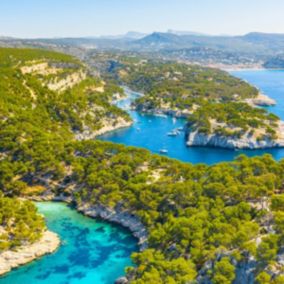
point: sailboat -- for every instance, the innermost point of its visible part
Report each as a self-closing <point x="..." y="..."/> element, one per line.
<point x="163" y="151"/>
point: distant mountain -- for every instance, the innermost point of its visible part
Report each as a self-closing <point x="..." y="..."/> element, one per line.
<point x="159" y="39"/>
<point x="253" y="48"/>
<point x="273" y="41"/>
<point x="275" y="62"/>
<point x="128" y="35"/>
<point x="135" y="35"/>
<point x="251" y="43"/>
<point x="185" y="33"/>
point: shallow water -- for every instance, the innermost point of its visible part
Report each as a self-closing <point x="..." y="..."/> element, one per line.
<point x="92" y="251"/>
<point x="150" y="131"/>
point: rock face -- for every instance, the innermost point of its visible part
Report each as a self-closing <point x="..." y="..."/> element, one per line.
<point x="163" y="111"/>
<point x="261" y="100"/>
<point x="199" y="139"/>
<point x="195" y="138"/>
<point x="121" y="217"/>
<point x="121" y="280"/>
<point x="48" y="243"/>
<point x="68" y="82"/>
<point x="245" y="272"/>
<point x="108" y="126"/>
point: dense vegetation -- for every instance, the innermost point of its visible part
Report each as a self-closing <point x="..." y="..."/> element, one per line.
<point x="81" y="105"/>
<point x="35" y="122"/>
<point x="196" y="216"/>
<point x="19" y="223"/>
<point x="240" y="118"/>
<point x="180" y="84"/>
<point x="193" y="213"/>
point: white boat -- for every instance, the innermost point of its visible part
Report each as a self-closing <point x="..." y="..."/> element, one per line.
<point x="173" y="133"/>
<point x="164" y="151"/>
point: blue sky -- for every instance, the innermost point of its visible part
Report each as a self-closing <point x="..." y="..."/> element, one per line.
<point x="57" y="18"/>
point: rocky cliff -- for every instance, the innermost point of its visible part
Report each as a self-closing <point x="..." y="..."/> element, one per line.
<point x="119" y="216"/>
<point x="245" y="142"/>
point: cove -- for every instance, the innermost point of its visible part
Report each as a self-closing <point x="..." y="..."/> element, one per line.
<point x="150" y="132"/>
<point x="92" y="251"/>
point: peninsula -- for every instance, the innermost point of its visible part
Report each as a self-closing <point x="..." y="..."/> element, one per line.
<point x="222" y="111"/>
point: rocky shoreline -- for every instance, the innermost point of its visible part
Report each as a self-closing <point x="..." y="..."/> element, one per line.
<point x="10" y="259"/>
<point x="215" y="140"/>
<point x="87" y="133"/>
<point x="120" y="217"/>
<point x="113" y="215"/>
<point x="261" y="100"/>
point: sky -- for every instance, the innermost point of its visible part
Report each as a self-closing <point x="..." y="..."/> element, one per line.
<point x="79" y="18"/>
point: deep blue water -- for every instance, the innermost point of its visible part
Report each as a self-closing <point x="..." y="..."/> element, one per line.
<point x="150" y="131"/>
<point x="92" y="252"/>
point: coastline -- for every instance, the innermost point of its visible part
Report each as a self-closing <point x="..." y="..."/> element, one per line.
<point x="48" y="243"/>
<point x="195" y="139"/>
<point x="88" y="134"/>
<point x="112" y="215"/>
<point x="256" y="69"/>
<point x="120" y="217"/>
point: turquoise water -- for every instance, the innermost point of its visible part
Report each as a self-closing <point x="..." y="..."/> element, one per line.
<point x="150" y="131"/>
<point x="92" y="252"/>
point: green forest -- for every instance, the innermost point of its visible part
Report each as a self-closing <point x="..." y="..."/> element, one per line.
<point x="194" y="214"/>
<point x="19" y="223"/>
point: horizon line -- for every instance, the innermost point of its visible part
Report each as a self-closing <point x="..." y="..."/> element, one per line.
<point x="169" y="31"/>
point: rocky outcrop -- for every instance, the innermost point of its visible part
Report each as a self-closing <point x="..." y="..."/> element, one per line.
<point x="261" y="100"/>
<point x="48" y="243"/>
<point x="121" y="280"/>
<point x="244" y="271"/>
<point x="108" y="126"/>
<point x="121" y="217"/>
<point x="195" y="138"/>
<point x="164" y="111"/>
<point x="245" y="142"/>
<point x="70" y="81"/>
<point x="114" y="215"/>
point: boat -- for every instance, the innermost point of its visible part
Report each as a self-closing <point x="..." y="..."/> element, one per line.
<point x="163" y="151"/>
<point x="181" y="128"/>
<point x="160" y="115"/>
<point x="173" y="133"/>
